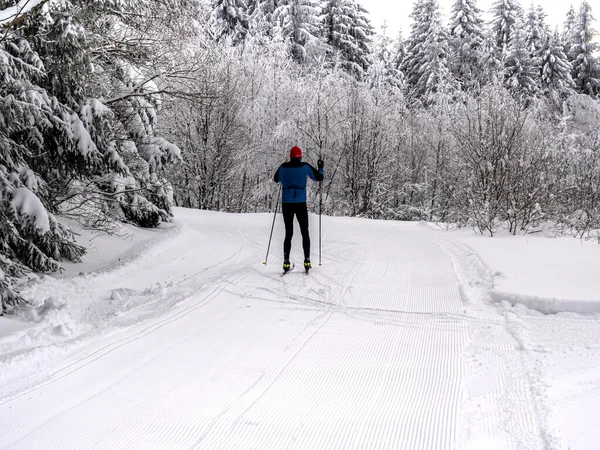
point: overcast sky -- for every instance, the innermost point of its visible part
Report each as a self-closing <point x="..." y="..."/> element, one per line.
<point x="396" y="12"/>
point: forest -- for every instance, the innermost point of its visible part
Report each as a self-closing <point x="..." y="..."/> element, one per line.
<point x="115" y="111"/>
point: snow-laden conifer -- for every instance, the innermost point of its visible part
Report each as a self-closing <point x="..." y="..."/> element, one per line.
<point x="466" y="39"/>
<point x="426" y="63"/>
<point x="299" y="23"/>
<point x="585" y="64"/>
<point x="384" y="69"/>
<point x="521" y="70"/>
<point x="398" y="50"/>
<point x="536" y="36"/>
<point x="555" y="67"/>
<point x="260" y="17"/>
<point x="232" y="15"/>
<point x="79" y="129"/>
<point x="505" y="14"/>
<point x="567" y="32"/>
<point x="348" y="32"/>
<point x="33" y="123"/>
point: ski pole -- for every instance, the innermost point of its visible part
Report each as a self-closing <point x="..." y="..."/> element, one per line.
<point x="320" y="208"/>
<point x="273" y="226"/>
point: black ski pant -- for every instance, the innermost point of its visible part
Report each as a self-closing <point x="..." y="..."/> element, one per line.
<point x="301" y="212"/>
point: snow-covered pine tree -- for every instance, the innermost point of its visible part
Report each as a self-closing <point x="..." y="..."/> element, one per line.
<point x="233" y="18"/>
<point x="542" y="16"/>
<point x="384" y="71"/>
<point x="128" y="86"/>
<point x="61" y="42"/>
<point x="536" y="36"/>
<point x="491" y="64"/>
<point x="556" y="69"/>
<point x="363" y="33"/>
<point x="521" y="70"/>
<point x="399" y="50"/>
<point x="505" y="14"/>
<point x="260" y="16"/>
<point x="299" y="23"/>
<point x="568" y="26"/>
<point x="347" y="32"/>
<point x="426" y="64"/>
<point x="466" y="39"/>
<point x="585" y="65"/>
<point x="32" y="124"/>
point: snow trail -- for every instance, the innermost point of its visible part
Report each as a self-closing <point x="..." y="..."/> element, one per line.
<point x="369" y="351"/>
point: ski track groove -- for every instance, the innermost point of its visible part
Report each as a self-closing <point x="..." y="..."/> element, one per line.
<point x="73" y="368"/>
<point x="218" y="435"/>
<point x="235" y="421"/>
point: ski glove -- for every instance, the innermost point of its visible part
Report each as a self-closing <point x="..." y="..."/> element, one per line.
<point x="320" y="164"/>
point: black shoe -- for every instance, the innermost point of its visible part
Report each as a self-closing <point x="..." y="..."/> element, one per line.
<point x="286" y="266"/>
<point x="307" y="264"/>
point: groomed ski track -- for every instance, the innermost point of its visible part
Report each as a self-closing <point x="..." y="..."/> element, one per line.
<point x="207" y="348"/>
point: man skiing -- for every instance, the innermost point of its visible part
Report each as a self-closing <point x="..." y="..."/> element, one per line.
<point x="292" y="175"/>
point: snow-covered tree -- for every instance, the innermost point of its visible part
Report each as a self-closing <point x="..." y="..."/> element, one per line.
<point x="490" y="63"/>
<point x="384" y="69"/>
<point x="260" y="16"/>
<point x="426" y="63"/>
<point x="505" y="14"/>
<point x="543" y="18"/>
<point x="585" y="65"/>
<point x="556" y="69"/>
<point x="398" y="50"/>
<point x="536" y="33"/>
<point x="299" y="22"/>
<point x="233" y="18"/>
<point x="348" y="32"/>
<point x="568" y="26"/>
<point x="503" y="157"/>
<point x="521" y="70"/>
<point x="33" y="123"/>
<point x="466" y="39"/>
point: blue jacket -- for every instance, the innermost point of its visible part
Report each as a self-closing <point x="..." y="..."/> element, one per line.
<point x="292" y="175"/>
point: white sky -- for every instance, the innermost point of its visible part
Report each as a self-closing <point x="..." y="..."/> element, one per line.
<point x="396" y="12"/>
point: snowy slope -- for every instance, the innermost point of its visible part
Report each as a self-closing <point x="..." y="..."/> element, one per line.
<point x="394" y="343"/>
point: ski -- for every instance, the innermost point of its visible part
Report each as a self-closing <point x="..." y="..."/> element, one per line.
<point x="291" y="268"/>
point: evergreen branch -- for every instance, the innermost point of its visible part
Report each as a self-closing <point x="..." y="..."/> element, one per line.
<point x="22" y="12"/>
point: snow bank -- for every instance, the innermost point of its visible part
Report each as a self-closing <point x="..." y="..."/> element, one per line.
<point x="9" y="325"/>
<point x="547" y="305"/>
<point x="105" y="251"/>
<point x="55" y="318"/>
<point x="550" y="275"/>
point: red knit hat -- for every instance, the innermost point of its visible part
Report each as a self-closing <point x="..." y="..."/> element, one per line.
<point x="296" y="152"/>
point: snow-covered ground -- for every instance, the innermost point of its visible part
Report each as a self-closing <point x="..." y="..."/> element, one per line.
<point x="405" y="338"/>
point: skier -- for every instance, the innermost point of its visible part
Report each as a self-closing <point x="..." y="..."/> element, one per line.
<point x="292" y="175"/>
